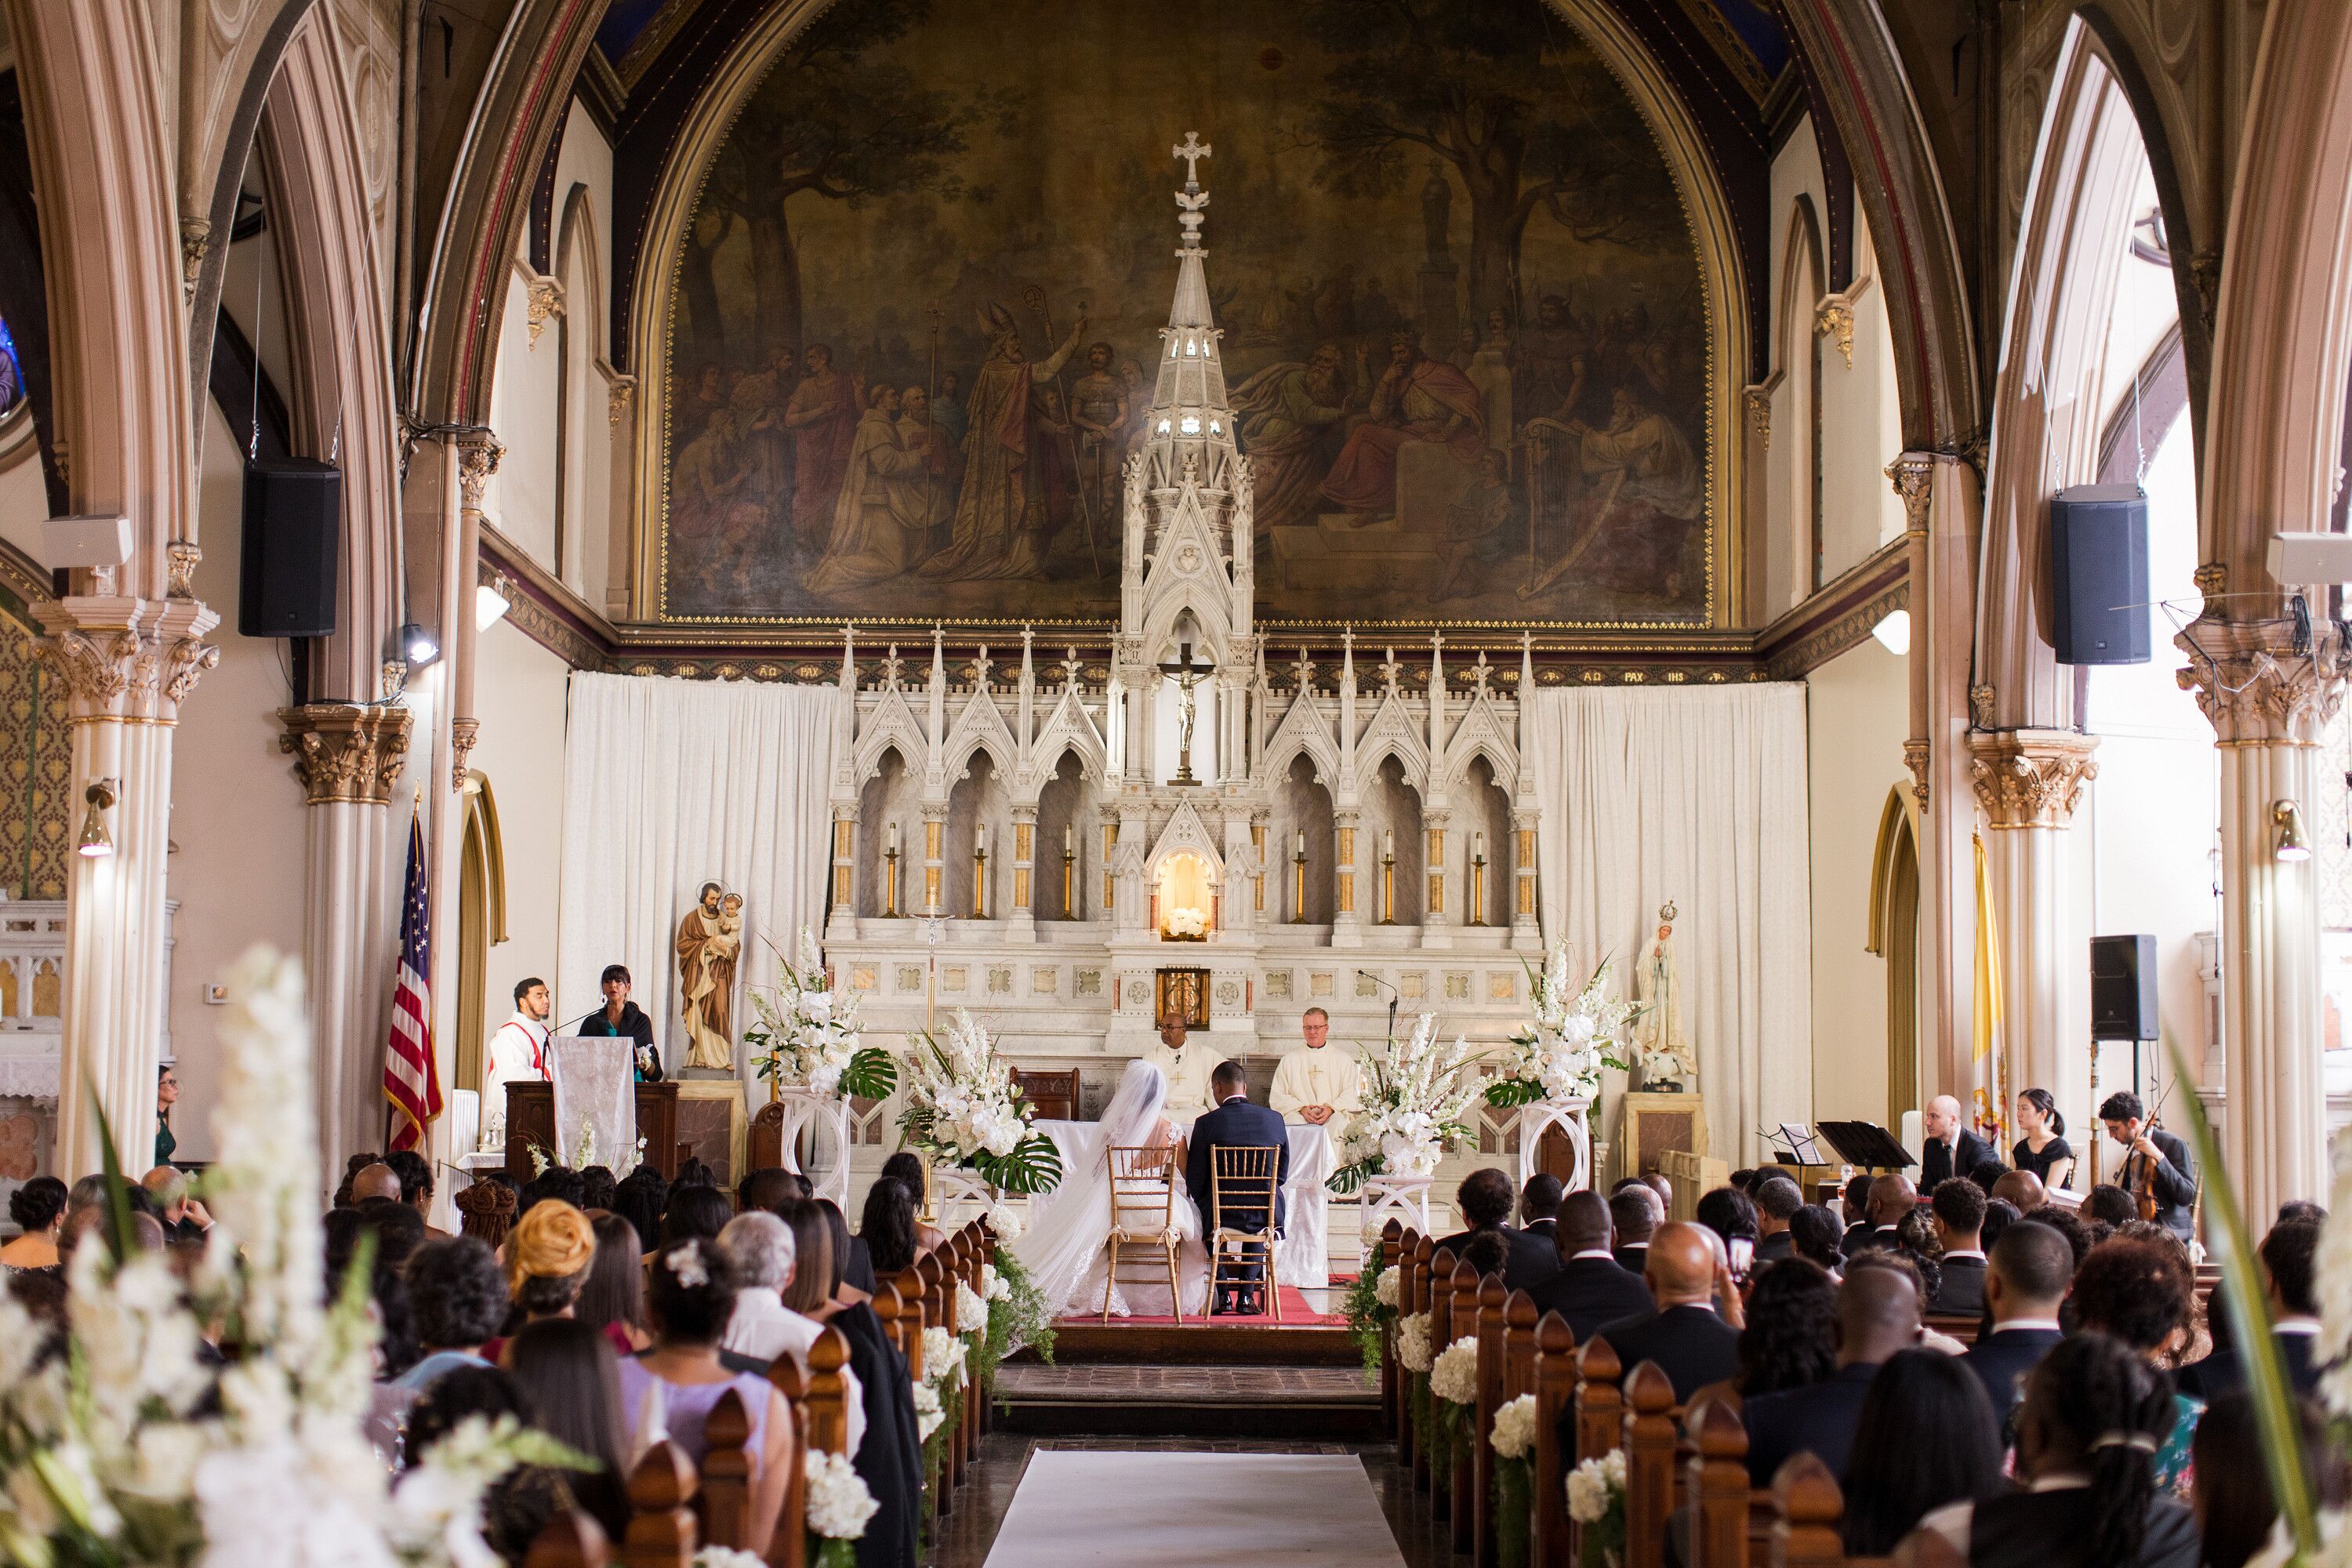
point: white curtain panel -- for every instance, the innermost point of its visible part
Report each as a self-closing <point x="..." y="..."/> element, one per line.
<point x="1697" y="798"/>
<point x="671" y="784"/>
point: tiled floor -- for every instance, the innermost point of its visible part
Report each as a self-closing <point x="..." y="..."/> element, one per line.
<point x="1019" y="1381"/>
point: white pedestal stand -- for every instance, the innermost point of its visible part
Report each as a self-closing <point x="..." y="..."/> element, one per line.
<point x="1406" y="1197"/>
<point x="1567" y="1115"/>
<point x="818" y="1113"/>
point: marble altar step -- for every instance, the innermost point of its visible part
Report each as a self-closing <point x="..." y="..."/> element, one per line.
<point x="1161" y="1399"/>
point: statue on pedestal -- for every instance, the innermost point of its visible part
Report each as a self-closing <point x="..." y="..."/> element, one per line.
<point x="710" y="940"/>
<point x="1668" y="1065"/>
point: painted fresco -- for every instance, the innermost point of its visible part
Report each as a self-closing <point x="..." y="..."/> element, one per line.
<point x="1464" y="322"/>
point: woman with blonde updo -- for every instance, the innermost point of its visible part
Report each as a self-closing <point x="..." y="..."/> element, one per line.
<point x="547" y="1254"/>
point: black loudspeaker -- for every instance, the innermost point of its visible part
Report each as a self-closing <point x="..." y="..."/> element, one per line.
<point x="2123" y="987"/>
<point x="293" y="518"/>
<point x="2098" y="571"/>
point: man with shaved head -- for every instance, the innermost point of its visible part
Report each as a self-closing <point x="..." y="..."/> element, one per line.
<point x="1636" y="1213"/>
<point x="375" y="1182"/>
<point x="1684" y="1334"/>
<point x="1589" y="1288"/>
<point x="2026" y="1278"/>
<point x="1950" y="1150"/>
<point x="2022" y="1190"/>
<point x="1891" y="1197"/>
<point x="1877" y="1316"/>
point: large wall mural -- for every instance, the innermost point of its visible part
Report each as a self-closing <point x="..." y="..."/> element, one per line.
<point x="1445" y="218"/>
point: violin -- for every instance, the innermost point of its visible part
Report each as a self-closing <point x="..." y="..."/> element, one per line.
<point x="2142" y="1189"/>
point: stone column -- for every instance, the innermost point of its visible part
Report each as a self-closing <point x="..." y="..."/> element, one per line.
<point x="476" y="463"/>
<point x="350" y="759"/>
<point x="128" y="664"/>
<point x="1527" y="932"/>
<point x="1022" y="924"/>
<point x="1437" y="919"/>
<point x="2029" y="782"/>
<point x="841" y="920"/>
<point x="2268" y="705"/>
<point x="1346" y="916"/>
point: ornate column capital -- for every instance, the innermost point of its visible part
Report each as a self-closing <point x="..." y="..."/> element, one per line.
<point x="128" y="660"/>
<point x="1760" y="414"/>
<point x="462" y="735"/>
<point x="343" y="752"/>
<point x="1912" y="475"/>
<point x="2256" y="689"/>
<point x="477" y="461"/>
<point x="1834" y="320"/>
<point x="2031" y="778"/>
<point x="543" y="302"/>
<point x="1915" y="755"/>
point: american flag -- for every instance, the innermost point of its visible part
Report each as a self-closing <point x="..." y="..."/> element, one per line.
<point x="412" y="1080"/>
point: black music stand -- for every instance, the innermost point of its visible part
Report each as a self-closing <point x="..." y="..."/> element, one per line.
<point x="1868" y="1145"/>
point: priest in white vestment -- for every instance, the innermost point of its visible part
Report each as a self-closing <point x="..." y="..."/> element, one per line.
<point x="519" y="1049"/>
<point x="1315" y="1084"/>
<point x="1186" y="1068"/>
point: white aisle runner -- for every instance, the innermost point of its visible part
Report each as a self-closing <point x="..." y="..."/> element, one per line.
<point x="1077" y="1509"/>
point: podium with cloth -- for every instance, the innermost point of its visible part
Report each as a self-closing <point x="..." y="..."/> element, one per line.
<point x="593" y="1084"/>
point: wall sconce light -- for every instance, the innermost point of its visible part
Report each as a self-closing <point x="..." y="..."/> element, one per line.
<point x="417" y="646"/>
<point x="1894" y="633"/>
<point x="2287" y="842"/>
<point x="95" y="842"/>
<point x="491" y="602"/>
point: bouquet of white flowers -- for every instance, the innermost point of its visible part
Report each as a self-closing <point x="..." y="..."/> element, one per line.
<point x="1513" y="1440"/>
<point x="1416" y="1107"/>
<point x="1559" y="1054"/>
<point x="1596" y="1499"/>
<point x="1187" y="925"/>
<point x="1514" y="1436"/>
<point x="838" y="1508"/>
<point x="1454" y="1375"/>
<point x="929" y="1412"/>
<point x="808" y="1037"/>
<point x="1413" y="1341"/>
<point x="942" y="1358"/>
<point x="961" y="1107"/>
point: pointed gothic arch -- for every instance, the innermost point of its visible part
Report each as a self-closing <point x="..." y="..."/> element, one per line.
<point x="1895" y="937"/>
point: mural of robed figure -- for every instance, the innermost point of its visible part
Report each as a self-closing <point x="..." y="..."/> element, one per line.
<point x="1002" y="528"/>
<point x="1416" y="399"/>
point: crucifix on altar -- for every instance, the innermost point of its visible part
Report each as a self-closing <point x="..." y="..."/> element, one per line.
<point x="1187" y="675"/>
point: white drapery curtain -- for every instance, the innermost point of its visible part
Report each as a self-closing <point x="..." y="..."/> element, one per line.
<point x="671" y="784"/>
<point x="1696" y="796"/>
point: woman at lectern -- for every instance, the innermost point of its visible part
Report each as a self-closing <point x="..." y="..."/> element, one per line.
<point x="619" y="1017"/>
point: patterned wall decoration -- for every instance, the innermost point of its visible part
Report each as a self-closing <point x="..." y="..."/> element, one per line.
<point x="36" y="769"/>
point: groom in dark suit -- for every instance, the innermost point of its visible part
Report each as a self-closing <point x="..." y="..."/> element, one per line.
<point x="1235" y="1123"/>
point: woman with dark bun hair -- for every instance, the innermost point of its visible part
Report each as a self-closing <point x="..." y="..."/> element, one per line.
<point x="38" y="1208"/>
<point x="2043" y="1150"/>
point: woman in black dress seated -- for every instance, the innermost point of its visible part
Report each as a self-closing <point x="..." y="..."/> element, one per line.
<point x="2043" y="1149"/>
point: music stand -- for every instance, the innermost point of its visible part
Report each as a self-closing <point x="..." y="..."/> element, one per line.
<point x="1793" y="1146"/>
<point x="1868" y="1145"/>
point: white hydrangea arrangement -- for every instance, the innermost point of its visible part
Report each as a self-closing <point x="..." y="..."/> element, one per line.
<point x="1384" y="1289"/>
<point x="1004" y="1223"/>
<point x="1596" y="1499"/>
<point x="1557" y="1056"/>
<point x="1454" y="1375"/>
<point x="1514" y="1436"/>
<point x="808" y="1037"/>
<point x="1416" y="1107"/>
<point x="109" y="1458"/>
<point x="961" y="1108"/>
<point x="838" y="1508"/>
<point x="995" y="1286"/>
<point x="728" y="1557"/>
<point x="1412" y="1342"/>
<point x="929" y="1412"/>
<point x="970" y="1311"/>
<point x="942" y="1358"/>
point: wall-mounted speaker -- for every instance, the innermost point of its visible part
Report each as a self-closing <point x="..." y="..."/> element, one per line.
<point x="2123" y="987"/>
<point x="293" y="519"/>
<point x="2098" y="574"/>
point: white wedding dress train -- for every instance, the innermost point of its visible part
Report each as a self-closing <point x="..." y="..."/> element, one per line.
<point x="1064" y="1248"/>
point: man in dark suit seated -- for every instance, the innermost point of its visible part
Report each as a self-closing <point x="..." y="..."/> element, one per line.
<point x="1950" y="1150"/>
<point x="1484" y="1201"/>
<point x="1235" y="1123"/>
<point x="1535" y="1252"/>
<point x="1588" y="1287"/>
<point x="2025" y="1280"/>
<point x="1777" y="1199"/>
<point x="1636" y="1211"/>
<point x="1959" y="1209"/>
<point x="2157" y="1162"/>
<point x="1855" y="1204"/>
<point x="1692" y="1344"/>
<point x="1891" y="1197"/>
<point x="2290" y="1254"/>
<point x="1877" y="1315"/>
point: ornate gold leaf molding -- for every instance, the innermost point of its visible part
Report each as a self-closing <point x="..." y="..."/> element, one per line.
<point x="1834" y="320"/>
<point x="2031" y="778"/>
<point x="1915" y="757"/>
<point x="344" y="752"/>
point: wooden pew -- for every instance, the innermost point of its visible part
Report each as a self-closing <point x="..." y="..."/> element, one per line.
<point x="1649" y="1444"/>
<point x="661" y="1524"/>
<point x="1717" y="1489"/>
<point x="1600" y="1417"/>
<point x="1465" y="1497"/>
<point x="725" y="1493"/>
<point x="1440" y="1288"/>
<point x="1492" y="1299"/>
<point x="789" y="1547"/>
<point x="1391" y="1252"/>
<point x="570" y="1539"/>
<point x="1555" y="1391"/>
<point x="1806" y="1498"/>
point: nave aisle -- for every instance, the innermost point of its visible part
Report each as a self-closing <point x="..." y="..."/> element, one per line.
<point x="1140" y="1508"/>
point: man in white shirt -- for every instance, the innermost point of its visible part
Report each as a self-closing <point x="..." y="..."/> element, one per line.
<point x="1315" y="1084"/>
<point x="1187" y="1069"/>
<point x="519" y="1049"/>
<point x="760" y="1247"/>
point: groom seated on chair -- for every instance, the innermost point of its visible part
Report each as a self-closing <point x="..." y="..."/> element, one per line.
<point x="1235" y="1123"/>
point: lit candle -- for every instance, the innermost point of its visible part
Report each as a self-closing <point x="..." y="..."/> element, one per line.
<point x="1388" y="842"/>
<point x="1069" y="843"/>
<point x="979" y="840"/>
<point x="1298" y="843"/>
<point x="894" y="838"/>
<point x="1479" y="851"/>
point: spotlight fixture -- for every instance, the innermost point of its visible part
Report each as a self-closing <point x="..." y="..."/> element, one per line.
<point x="1894" y="633"/>
<point x="95" y="842"/>
<point x="491" y="602"/>
<point x="417" y="646"/>
<point x="2287" y="842"/>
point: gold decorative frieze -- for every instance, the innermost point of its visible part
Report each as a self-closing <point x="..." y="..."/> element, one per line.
<point x="2031" y="778"/>
<point x="344" y="752"/>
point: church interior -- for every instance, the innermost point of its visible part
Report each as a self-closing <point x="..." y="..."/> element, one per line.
<point x="1699" y="639"/>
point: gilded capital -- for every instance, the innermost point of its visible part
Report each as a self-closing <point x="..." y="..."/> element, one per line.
<point x="2031" y="778"/>
<point x="617" y="396"/>
<point x="477" y="461"/>
<point x="343" y="752"/>
<point x="129" y="659"/>
<point x="1835" y="322"/>
<point x="1912" y="475"/>
<point x="1916" y="754"/>
<point x="463" y="733"/>
<point x="544" y="303"/>
<point x="2256" y="689"/>
<point x="183" y="555"/>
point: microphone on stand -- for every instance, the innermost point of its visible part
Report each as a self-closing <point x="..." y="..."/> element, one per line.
<point x="1392" y="1000"/>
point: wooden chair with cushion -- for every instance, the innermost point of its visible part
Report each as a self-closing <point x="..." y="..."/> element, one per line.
<point x="1243" y="1180"/>
<point x="1142" y="1219"/>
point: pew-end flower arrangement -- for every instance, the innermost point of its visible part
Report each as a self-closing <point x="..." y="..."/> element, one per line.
<point x="1575" y="1031"/>
<point x="961" y="1109"/>
<point x="839" y="1508"/>
<point x="1513" y="1441"/>
<point x="1416" y="1107"/>
<point x="1369" y="1307"/>
<point x="808" y="1035"/>
<point x="1596" y="1499"/>
<point x="1453" y="1400"/>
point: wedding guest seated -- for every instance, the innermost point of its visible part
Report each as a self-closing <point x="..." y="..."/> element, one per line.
<point x="673" y="1385"/>
<point x="1484" y="1203"/>
<point x="38" y="1208"/>
<point x="378" y="1181"/>
<point x="1999" y="1215"/>
<point x="639" y="1198"/>
<point x="1927" y="1438"/>
<point x="1535" y="1251"/>
<point x="559" y="1183"/>
<point x="1731" y="1214"/>
<point x="2233" y="1502"/>
<point x="1778" y="1200"/>
<point x="887" y="1227"/>
<point x="1487" y="1252"/>
<point x="1636" y="1211"/>
<point x="1877" y="1316"/>
<point x="1891" y="1197"/>
<point x="185" y="1219"/>
<point x="693" y="1172"/>
<point x="596" y="1189"/>
<point x="2094" y="1414"/>
<point x="570" y="1381"/>
<point x="613" y="1298"/>
<point x="415" y="1173"/>
<point x="768" y="1186"/>
<point x="2110" y="1203"/>
<point x="549" y="1255"/>
<point x="1790" y="1337"/>
<point x="1742" y="1180"/>
<point x="853" y="1262"/>
<point x="906" y="1168"/>
<point x="2140" y="1293"/>
<point x="2301" y="1208"/>
<point x="765" y="1256"/>
<point x="344" y="1198"/>
<point x="459" y="1298"/>
<point x="1588" y="1287"/>
<point x="1856" y="1204"/>
<point x="1958" y="1211"/>
<point x="1814" y="1233"/>
<point x="2290" y="1284"/>
<point x="693" y="1214"/>
<point x="2022" y="1190"/>
<point x="2026" y="1276"/>
<point x="2068" y="1224"/>
<point x="1987" y="1173"/>
<point x="1685" y="1332"/>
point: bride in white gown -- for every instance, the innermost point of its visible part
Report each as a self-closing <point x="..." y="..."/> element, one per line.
<point x="1062" y="1249"/>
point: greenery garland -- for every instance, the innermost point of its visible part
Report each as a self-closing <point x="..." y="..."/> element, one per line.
<point x="1023" y="1319"/>
<point x="1367" y="1320"/>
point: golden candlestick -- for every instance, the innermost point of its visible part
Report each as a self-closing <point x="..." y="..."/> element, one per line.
<point x="1298" y="887"/>
<point x="890" y="883"/>
<point x="1478" y="889"/>
<point x="1388" y="889"/>
<point x="979" y="884"/>
<point x="1069" y="884"/>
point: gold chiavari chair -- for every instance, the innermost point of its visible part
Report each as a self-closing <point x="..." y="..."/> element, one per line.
<point x="1243" y="1183"/>
<point x="1142" y="1219"/>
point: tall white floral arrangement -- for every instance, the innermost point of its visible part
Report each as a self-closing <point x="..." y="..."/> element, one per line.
<point x="808" y="1036"/>
<point x="1416" y="1105"/>
<point x="1574" y="1031"/>
<point x="961" y="1108"/>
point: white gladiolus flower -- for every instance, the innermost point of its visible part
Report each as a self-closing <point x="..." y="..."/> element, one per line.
<point x="838" y="1503"/>
<point x="1514" y="1436"/>
<point x="1454" y="1375"/>
<point x="2332" y="1270"/>
<point x="1413" y="1341"/>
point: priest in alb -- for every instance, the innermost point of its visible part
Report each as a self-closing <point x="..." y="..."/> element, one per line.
<point x="1186" y="1068"/>
<point x="1315" y="1084"/>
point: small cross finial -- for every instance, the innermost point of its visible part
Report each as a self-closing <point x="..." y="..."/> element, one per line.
<point x="1193" y="151"/>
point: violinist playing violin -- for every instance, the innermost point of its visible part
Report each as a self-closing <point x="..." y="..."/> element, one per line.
<point x="2159" y="1170"/>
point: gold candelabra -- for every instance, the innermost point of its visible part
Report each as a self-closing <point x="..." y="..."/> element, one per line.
<point x="1478" y="882"/>
<point x="980" y="880"/>
<point x="1298" y="878"/>
<point x="890" y="882"/>
<point x="1388" y="877"/>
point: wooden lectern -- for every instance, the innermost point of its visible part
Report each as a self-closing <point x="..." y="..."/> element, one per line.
<point x="531" y="1118"/>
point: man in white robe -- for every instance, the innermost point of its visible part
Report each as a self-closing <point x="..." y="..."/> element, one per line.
<point x="1314" y="1083"/>
<point x="873" y="538"/>
<point x="519" y="1049"/>
<point x="1187" y="1069"/>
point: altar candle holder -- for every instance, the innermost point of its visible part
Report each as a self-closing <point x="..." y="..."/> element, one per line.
<point x="1069" y="874"/>
<point x="1299" y="881"/>
<point x="1478" y="882"/>
<point x="980" y="875"/>
<point x="1388" y="878"/>
<point x="890" y="883"/>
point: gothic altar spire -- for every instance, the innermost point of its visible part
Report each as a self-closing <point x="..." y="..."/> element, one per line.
<point x="1190" y="418"/>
